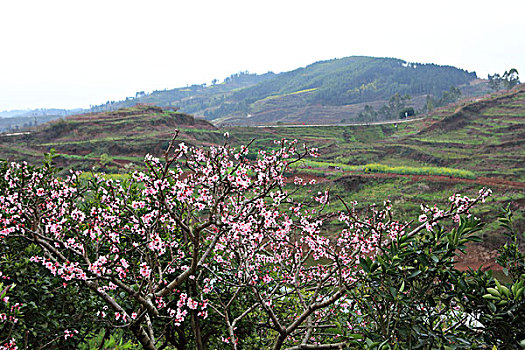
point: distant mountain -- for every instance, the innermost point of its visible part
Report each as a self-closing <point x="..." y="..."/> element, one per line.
<point x="191" y="98"/>
<point x="19" y="119"/>
<point x="323" y="92"/>
<point x="13" y="113"/>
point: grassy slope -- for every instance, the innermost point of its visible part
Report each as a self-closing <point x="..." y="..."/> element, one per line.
<point x="484" y="136"/>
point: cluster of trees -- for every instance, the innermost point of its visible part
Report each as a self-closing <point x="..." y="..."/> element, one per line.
<point x="247" y="78"/>
<point x="208" y="249"/>
<point x="397" y="107"/>
<point x="450" y="96"/>
<point x="508" y="80"/>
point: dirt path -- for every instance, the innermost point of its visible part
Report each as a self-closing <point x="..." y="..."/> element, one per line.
<point x="478" y="256"/>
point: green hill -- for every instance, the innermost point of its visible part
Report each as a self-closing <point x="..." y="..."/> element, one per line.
<point x="190" y="99"/>
<point x="325" y="92"/>
<point x="359" y="79"/>
<point x="482" y="135"/>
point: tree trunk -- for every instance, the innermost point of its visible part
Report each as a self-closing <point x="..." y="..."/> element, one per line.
<point x="279" y="342"/>
<point x="196" y="330"/>
<point x="195" y="325"/>
<point x="143" y="338"/>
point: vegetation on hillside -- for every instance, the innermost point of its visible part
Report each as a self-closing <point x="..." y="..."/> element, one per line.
<point x="483" y="138"/>
<point x="270" y="97"/>
<point x="325" y="92"/>
<point x="109" y="140"/>
<point x="196" y="253"/>
<point x="440" y="171"/>
<point x="347" y="81"/>
<point x="190" y="99"/>
<point x="359" y="79"/>
<point x="508" y="80"/>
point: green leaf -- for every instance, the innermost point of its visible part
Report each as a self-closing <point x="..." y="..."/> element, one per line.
<point x="364" y="265"/>
<point x="356" y="336"/>
<point x="393" y="291"/>
<point x="494" y="292"/>
<point x="414" y="274"/>
<point x="492" y="307"/>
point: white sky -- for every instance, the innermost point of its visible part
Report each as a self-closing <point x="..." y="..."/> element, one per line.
<point x="74" y="53"/>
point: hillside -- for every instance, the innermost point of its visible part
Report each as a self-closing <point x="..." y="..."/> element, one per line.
<point x="16" y="120"/>
<point x="359" y="79"/>
<point x="190" y="99"/>
<point x="325" y="92"/>
<point x="485" y="135"/>
<point x="457" y="149"/>
<point x="108" y="139"/>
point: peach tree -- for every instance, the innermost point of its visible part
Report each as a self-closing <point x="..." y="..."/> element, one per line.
<point x="210" y="249"/>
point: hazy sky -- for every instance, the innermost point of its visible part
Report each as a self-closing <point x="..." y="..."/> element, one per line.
<point x="74" y="53"/>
